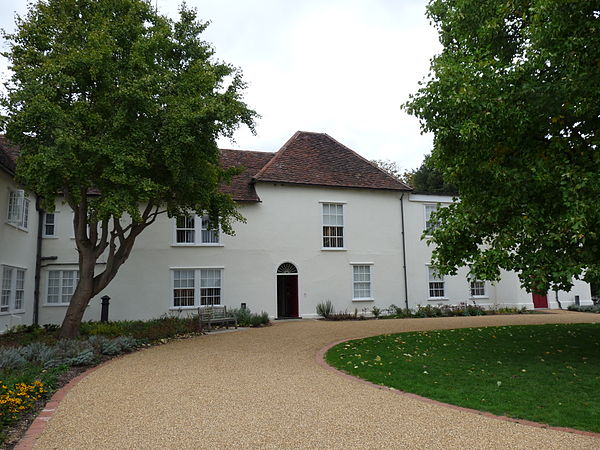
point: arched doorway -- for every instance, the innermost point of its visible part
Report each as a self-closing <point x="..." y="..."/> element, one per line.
<point x="287" y="291"/>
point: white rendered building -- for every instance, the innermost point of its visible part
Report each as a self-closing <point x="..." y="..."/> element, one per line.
<point x="323" y="224"/>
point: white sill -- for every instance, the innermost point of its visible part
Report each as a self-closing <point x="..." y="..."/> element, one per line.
<point x="54" y="305"/>
<point x="435" y="299"/>
<point x="334" y="249"/>
<point x="479" y="297"/>
<point x="17" y="227"/>
<point x="370" y="299"/>
<point x="51" y="237"/>
<point x="8" y="313"/>
<point x="197" y="245"/>
<point x="189" y="308"/>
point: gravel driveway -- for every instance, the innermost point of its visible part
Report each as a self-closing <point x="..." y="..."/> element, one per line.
<point x="261" y="388"/>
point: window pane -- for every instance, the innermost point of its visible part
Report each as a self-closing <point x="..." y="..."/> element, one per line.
<point x="53" y="286"/>
<point x="362" y="281"/>
<point x="49" y="221"/>
<point x="6" y="288"/>
<point x="185" y="230"/>
<point x="209" y="236"/>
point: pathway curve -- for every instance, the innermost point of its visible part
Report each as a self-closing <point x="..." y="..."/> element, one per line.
<point x="261" y="388"/>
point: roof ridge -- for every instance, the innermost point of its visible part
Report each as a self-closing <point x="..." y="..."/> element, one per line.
<point x="369" y="162"/>
<point x="277" y="156"/>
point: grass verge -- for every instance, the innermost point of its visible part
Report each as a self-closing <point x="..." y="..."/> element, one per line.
<point x="543" y="373"/>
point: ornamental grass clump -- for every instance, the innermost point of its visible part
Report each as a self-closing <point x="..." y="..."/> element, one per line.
<point x="246" y="318"/>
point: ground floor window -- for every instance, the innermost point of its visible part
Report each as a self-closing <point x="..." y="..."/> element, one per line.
<point x="61" y="286"/>
<point x="478" y="288"/>
<point x="12" y="290"/>
<point x="196" y="287"/>
<point x="361" y="282"/>
<point x="435" y="284"/>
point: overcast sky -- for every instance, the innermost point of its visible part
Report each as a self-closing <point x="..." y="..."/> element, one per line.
<point x="341" y="67"/>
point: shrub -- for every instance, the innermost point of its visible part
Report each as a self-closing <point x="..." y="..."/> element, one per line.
<point x="585" y="308"/>
<point x="245" y="317"/>
<point x="11" y="358"/>
<point x="38" y="353"/>
<point x="325" y="309"/>
<point x="376" y="312"/>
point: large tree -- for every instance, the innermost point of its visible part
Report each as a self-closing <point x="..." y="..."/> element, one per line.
<point x="513" y="101"/>
<point x="118" y="109"/>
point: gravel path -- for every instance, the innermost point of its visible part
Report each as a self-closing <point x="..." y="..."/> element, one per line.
<point x="261" y="388"/>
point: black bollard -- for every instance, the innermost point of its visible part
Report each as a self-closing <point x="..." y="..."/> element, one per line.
<point x="104" y="311"/>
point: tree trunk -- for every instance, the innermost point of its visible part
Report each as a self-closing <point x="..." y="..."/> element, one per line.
<point x="82" y="295"/>
<point x="72" y="322"/>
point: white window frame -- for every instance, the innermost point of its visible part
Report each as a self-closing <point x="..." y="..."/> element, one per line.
<point x="428" y="208"/>
<point x="355" y="282"/>
<point x="482" y="285"/>
<point x="61" y="287"/>
<point x="200" y="230"/>
<point x="338" y="226"/>
<point x="431" y="278"/>
<point x="46" y="224"/>
<point x="10" y="286"/>
<point x="197" y="287"/>
<point x="17" y="213"/>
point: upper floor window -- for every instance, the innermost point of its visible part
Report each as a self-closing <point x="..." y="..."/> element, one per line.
<point x="435" y="284"/>
<point x="195" y="230"/>
<point x="477" y="288"/>
<point x="18" y="209"/>
<point x="12" y="290"/>
<point x="361" y="277"/>
<point x="430" y="225"/>
<point x="333" y="225"/>
<point x="196" y="287"/>
<point x="49" y="228"/>
<point x="61" y="286"/>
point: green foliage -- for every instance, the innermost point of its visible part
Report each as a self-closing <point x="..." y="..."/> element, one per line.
<point x="504" y="370"/>
<point x="150" y="330"/>
<point x="376" y="311"/>
<point x="392" y="168"/>
<point x="427" y="179"/>
<point x="585" y="308"/>
<point x="325" y="309"/>
<point x="512" y="101"/>
<point x="247" y="318"/>
<point x="109" y="96"/>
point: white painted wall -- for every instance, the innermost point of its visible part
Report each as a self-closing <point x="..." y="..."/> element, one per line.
<point x="286" y="227"/>
<point x="17" y="249"/>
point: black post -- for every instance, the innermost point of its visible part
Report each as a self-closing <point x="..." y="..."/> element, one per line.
<point x="104" y="311"/>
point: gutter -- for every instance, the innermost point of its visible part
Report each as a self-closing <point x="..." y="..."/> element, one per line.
<point x="404" y="252"/>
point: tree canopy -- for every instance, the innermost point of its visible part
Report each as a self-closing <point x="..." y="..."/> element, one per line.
<point x="513" y="102"/>
<point x="110" y="97"/>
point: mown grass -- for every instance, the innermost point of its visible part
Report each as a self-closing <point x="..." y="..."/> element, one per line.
<point x="545" y="373"/>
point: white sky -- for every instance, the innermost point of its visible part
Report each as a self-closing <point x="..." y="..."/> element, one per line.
<point x="342" y="67"/>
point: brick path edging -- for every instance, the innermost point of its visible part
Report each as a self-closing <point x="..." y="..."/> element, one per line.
<point x="39" y="423"/>
<point x="320" y="359"/>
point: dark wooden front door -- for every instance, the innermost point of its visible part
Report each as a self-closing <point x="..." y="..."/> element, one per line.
<point x="540" y="301"/>
<point x="287" y="296"/>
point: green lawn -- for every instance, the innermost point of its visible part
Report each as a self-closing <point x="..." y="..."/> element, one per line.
<point x="544" y="373"/>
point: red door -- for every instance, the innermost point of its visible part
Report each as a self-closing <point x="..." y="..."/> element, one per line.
<point x="540" y="301"/>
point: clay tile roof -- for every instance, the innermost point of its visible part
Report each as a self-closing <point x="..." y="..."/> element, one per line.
<point x="318" y="159"/>
<point x="242" y="187"/>
<point x="8" y="155"/>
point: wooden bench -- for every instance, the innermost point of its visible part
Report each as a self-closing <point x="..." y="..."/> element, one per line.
<point x="215" y="314"/>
